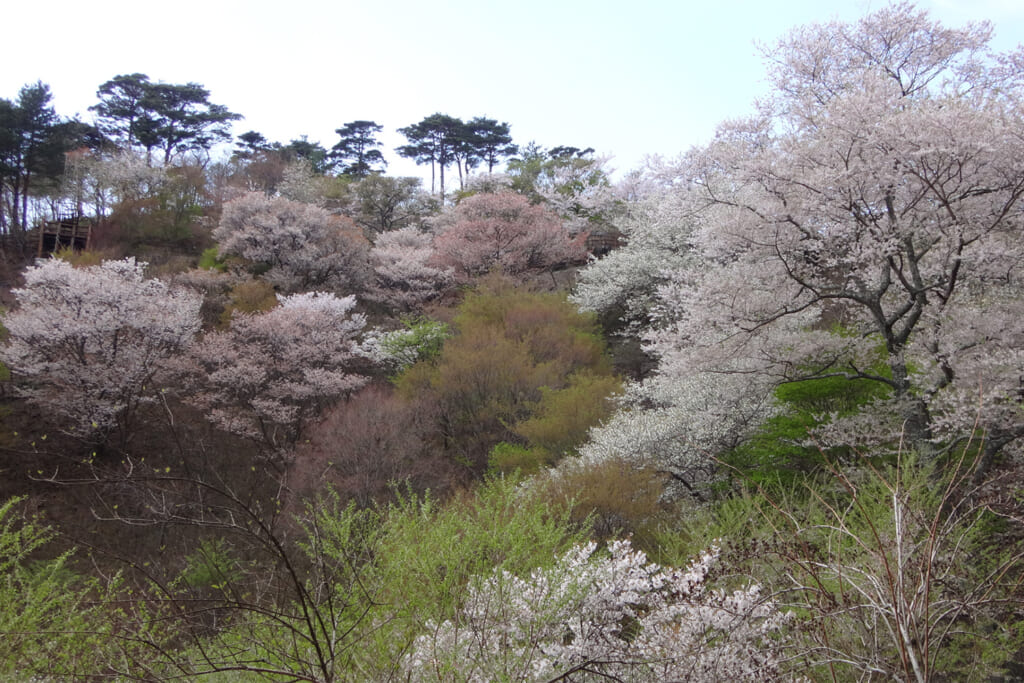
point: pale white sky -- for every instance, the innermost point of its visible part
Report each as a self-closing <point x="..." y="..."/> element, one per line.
<point x="627" y="78"/>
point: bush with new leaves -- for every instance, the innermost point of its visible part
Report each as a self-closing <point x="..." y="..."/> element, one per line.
<point x="55" y="624"/>
<point x="510" y="346"/>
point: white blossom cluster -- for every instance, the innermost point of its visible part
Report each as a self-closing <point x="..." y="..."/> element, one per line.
<point x="864" y="223"/>
<point x="93" y="343"/>
<point x="577" y="189"/>
<point x="604" y="615"/>
<point x="301" y="245"/>
<point x="657" y="229"/>
<point x="405" y="275"/>
<point x="269" y="372"/>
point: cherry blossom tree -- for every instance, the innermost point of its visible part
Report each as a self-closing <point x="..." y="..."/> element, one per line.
<point x="121" y="177"/>
<point x="302" y="246"/>
<point x="657" y="226"/>
<point x="864" y="224"/>
<point x="570" y="181"/>
<point x="571" y="619"/>
<point x="269" y="373"/>
<point x="404" y="274"/>
<point x="93" y="344"/>
<point x="504" y="231"/>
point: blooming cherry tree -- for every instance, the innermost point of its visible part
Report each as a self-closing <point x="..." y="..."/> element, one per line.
<point x="613" y="616"/>
<point x="269" y="373"/>
<point x="404" y="275"/>
<point x="504" y="231"/>
<point x="865" y="224"/>
<point x="92" y="344"/>
<point x="302" y="246"/>
<point x="658" y="228"/>
<point x="577" y="189"/>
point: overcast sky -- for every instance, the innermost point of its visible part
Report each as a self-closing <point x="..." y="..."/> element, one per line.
<point x="626" y="78"/>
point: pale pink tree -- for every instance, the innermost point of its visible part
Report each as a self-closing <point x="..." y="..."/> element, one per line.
<point x="865" y="224"/>
<point x="269" y="373"/>
<point x="578" y="189"/>
<point x="568" y="620"/>
<point x="301" y="246"/>
<point x="90" y="345"/>
<point x="404" y="275"/>
<point x="505" y="231"/>
<point x="119" y="178"/>
<point x="657" y="224"/>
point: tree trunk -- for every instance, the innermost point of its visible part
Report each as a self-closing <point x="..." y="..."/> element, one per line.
<point x="917" y="430"/>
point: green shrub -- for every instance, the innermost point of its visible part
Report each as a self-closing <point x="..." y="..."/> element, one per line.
<point x="212" y="565"/>
<point x="54" y="623"/>
<point x="420" y="339"/>
<point x="612" y="498"/>
<point x="508" y="458"/>
<point x="779" y="453"/>
<point x="512" y="349"/>
<point x="562" y="419"/>
<point x="210" y="260"/>
<point x="249" y="296"/>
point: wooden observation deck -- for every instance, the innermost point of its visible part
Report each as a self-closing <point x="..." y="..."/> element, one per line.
<point x="71" y="230"/>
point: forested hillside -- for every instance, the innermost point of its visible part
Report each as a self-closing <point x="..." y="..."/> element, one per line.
<point x="755" y="412"/>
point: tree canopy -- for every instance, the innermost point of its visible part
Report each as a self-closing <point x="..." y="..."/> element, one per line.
<point x="171" y="118"/>
<point x="357" y="148"/>
<point x="440" y="139"/>
<point x="33" y="142"/>
<point x="864" y="224"/>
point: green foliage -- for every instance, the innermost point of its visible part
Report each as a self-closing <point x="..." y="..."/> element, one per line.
<point x="779" y="453"/>
<point x="54" y="623"/>
<point x="373" y="579"/>
<point x="212" y="565"/>
<point x="562" y="418"/>
<point x="912" y="552"/>
<point x="420" y="339"/>
<point x="168" y="117"/>
<point x="612" y="497"/>
<point x="508" y="458"/>
<point x="210" y="260"/>
<point x="394" y="569"/>
<point x="249" y="296"/>
<point x="79" y="258"/>
<point x="429" y="551"/>
<point x="510" y="346"/>
<point x="894" y="571"/>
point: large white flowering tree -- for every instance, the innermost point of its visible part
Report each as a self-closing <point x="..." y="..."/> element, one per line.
<point x="404" y="274"/>
<point x="657" y="228"/>
<point x="90" y="345"/>
<point x="865" y="224"/>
